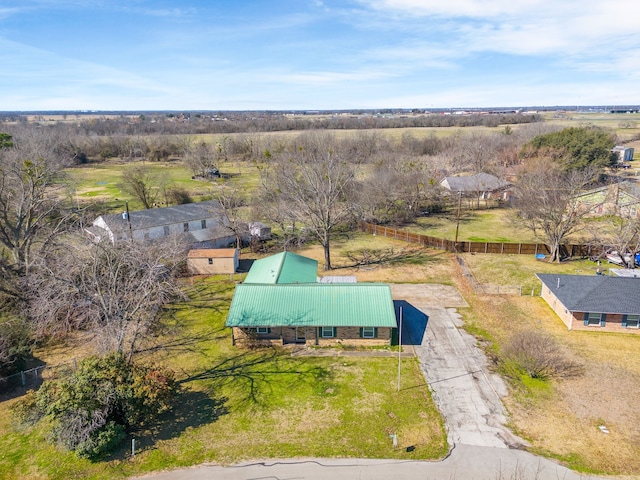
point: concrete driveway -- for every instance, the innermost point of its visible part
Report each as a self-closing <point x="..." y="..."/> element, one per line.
<point x="466" y="392"/>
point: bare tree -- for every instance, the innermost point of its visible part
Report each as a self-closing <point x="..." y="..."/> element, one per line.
<point x="621" y="233"/>
<point x="142" y="184"/>
<point x="201" y="158"/>
<point x="314" y="184"/>
<point x="32" y="195"/>
<point x="547" y="201"/>
<point x="232" y="202"/>
<point x="114" y="291"/>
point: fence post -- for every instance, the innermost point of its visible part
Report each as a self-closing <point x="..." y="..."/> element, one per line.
<point x="23" y="377"/>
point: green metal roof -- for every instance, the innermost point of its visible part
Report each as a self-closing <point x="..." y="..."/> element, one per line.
<point x="285" y="267"/>
<point x="314" y="305"/>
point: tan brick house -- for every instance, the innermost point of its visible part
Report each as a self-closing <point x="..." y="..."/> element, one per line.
<point x="594" y="302"/>
<point x="281" y="309"/>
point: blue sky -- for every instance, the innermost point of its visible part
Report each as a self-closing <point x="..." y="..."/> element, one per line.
<point x="316" y="54"/>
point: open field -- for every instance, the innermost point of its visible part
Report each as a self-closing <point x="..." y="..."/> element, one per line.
<point x="521" y="269"/>
<point x="103" y="181"/>
<point x="626" y="125"/>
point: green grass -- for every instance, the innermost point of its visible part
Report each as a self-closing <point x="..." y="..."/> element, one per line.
<point x="521" y="269"/>
<point x="247" y="404"/>
<point x="103" y="181"/>
<point x="484" y="225"/>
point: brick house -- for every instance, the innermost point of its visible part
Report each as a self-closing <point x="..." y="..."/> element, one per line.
<point x="597" y="302"/>
<point x="281" y="302"/>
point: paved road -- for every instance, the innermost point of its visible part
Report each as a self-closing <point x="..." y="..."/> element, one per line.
<point x="465" y="463"/>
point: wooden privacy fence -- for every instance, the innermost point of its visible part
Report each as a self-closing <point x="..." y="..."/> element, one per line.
<point x="570" y="250"/>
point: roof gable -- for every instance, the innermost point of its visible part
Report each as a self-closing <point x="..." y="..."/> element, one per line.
<point x="312" y="305"/>
<point x="283" y="268"/>
<point x="595" y="293"/>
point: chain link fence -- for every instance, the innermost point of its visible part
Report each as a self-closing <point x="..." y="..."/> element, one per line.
<point x="33" y="377"/>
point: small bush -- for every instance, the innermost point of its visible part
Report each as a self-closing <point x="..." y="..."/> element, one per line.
<point x="537" y="354"/>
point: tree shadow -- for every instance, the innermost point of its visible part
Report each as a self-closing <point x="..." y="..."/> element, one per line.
<point x="28" y="377"/>
<point x="368" y="257"/>
<point x="195" y="342"/>
<point x="192" y="409"/>
<point x="253" y="372"/>
<point x="414" y="322"/>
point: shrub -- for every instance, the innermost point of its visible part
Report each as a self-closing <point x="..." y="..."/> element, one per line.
<point x="538" y="355"/>
<point x="91" y="410"/>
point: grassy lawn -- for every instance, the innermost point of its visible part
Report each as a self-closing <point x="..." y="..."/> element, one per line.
<point x="521" y="269"/>
<point x="103" y="181"/>
<point x="484" y="225"/>
<point x="247" y="404"/>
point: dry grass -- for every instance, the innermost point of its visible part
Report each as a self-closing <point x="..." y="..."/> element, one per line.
<point x="405" y="263"/>
<point x="563" y="421"/>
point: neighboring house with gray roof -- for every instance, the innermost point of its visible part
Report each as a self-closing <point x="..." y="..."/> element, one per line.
<point x="203" y="223"/>
<point x="281" y="302"/>
<point x="587" y="302"/>
<point x="482" y="185"/>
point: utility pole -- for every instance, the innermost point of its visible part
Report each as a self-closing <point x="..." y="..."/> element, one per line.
<point x="455" y="243"/>
<point x="399" y="348"/>
<point x="126" y="204"/>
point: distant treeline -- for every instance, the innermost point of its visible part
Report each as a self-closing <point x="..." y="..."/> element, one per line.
<point x="252" y="122"/>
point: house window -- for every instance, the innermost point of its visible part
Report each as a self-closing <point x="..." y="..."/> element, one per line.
<point x="203" y="224"/>
<point x="211" y="261"/>
<point x="166" y="230"/>
<point x="263" y="330"/>
<point x="368" y="332"/>
<point x="185" y="226"/>
<point x="595" y="319"/>
<point x="631" y="321"/>
<point x="327" y="332"/>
